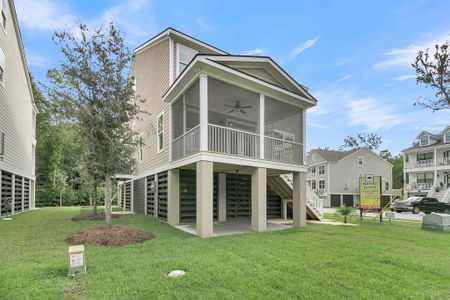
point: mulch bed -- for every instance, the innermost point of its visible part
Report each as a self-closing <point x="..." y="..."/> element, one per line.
<point x="92" y="217"/>
<point x="115" y="236"/>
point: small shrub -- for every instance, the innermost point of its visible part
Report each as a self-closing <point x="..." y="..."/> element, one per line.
<point x="345" y="211"/>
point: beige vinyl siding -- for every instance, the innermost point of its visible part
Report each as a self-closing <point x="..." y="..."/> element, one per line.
<point x="16" y="106"/>
<point x="150" y="68"/>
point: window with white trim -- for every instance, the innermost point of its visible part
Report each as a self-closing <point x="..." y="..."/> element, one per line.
<point x="184" y="57"/>
<point x="360" y="161"/>
<point x="313" y="184"/>
<point x="2" y="67"/>
<point x="424" y="140"/>
<point x="3" y="9"/>
<point x="447" y="137"/>
<point x="321" y="184"/>
<point x="313" y="170"/>
<point x="321" y="169"/>
<point x="141" y="148"/>
<point x="160" y="132"/>
<point x="387" y="185"/>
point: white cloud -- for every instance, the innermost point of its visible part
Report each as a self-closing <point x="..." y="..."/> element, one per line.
<point x="48" y="15"/>
<point x="204" y="25"/>
<point x="404" y="57"/>
<point x="404" y="77"/>
<point x="330" y="101"/>
<point x="300" y="48"/>
<point x="254" y="52"/>
<point x="341" y="79"/>
<point x="36" y="60"/>
<point x="317" y="125"/>
<point x="374" y="115"/>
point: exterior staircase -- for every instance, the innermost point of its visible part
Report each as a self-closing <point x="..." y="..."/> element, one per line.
<point x="283" y="186"/>
<point x="443" y="195"/>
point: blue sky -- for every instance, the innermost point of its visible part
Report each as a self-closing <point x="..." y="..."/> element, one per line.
<point x="354" y="56"/>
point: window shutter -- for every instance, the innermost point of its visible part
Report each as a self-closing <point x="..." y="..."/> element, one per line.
<point x="2" y="143"/>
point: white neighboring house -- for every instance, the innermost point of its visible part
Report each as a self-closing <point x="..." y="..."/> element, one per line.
<point x="17" y="118"/>
<point x="335" y="174"/>
<point x="427" y="165"/>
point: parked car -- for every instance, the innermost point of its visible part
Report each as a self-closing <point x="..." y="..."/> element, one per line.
<point x="405" y="205"/>
<point x="429" y="205"/>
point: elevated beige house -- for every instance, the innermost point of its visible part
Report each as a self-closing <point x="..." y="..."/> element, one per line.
<point x="335" y="174"/>
<point x="221" y="129"/>
<point x="17" y="119"/>
<point x="427" y="165"/>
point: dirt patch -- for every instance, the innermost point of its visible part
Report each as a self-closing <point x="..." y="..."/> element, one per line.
<point x="118" y="235"/>
<point x="92" y="217"/>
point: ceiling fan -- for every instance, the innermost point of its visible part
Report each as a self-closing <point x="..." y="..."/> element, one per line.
<point x="237" y="107"/>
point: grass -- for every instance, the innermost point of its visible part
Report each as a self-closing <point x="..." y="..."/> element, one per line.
<point x="396" y="261"/>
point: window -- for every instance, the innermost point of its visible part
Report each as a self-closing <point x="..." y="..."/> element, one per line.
<point x="424" y="140"/>
<point x="313" y="184"/>
<point x="184" y="57"/>
<point x="360" y="161"/>
<point x="313" y="170"/>
<point x="425" y="177"/>
<point x="33" y="159"/>
<point x="2" y="67"/>
<point x="387" y="185"/>
<point x="321" y="169"/>
<point x="447" y="137"/>
<point x="141" y="148"/>
<point x="160" y="132"/>
<point x="425" y="156"/>
<point x="3" y="14"/>
<point x="406" y="158"/>
<point x="321" y="184"/>
<point x="2" y="143"/>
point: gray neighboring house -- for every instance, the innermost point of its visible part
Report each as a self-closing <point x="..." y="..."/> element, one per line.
<point x="220" y="132"/>
<point x="17" y="119"/>
<point x="427" y="165"/>
<point x="335" y="174"/>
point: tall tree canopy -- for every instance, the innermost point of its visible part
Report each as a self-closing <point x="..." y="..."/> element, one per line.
<point x="433" y="70"/>
<point x="91" y="89"/>
<point x="369" y="140"/>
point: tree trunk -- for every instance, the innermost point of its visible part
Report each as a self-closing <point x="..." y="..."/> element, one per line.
<point x="94" y="200"/>
<point x="60" y="199"/>
<point x="108" y="201"/>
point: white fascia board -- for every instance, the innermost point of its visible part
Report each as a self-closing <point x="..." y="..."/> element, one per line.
<point x="232" y="58"/>
<point x="203" y="65"/>
<point x="176" y="34"/>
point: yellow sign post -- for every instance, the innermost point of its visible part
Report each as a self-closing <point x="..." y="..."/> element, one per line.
<point x="370" y="192"/>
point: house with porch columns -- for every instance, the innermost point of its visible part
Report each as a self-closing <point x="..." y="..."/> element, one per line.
<point x="223" y="137"/>
<point x="427" y="165"/>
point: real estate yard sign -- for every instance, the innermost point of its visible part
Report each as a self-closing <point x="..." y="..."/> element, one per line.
<point x="370" y="192"/>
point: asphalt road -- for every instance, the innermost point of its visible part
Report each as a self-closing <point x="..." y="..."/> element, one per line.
<point x="406" y="216"/>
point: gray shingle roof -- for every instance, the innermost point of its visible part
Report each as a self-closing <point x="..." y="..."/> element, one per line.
<point x="333" y="155"/>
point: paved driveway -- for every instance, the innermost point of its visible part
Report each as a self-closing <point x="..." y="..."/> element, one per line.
<point x="406" y="216"/>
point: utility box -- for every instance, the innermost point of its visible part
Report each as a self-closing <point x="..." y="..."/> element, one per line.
<point x="440" y="222"/>
<point x="77" y="260"/>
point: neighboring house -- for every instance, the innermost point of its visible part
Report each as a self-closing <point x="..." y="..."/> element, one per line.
<point x="335" y="174"/>
<point x="17" y="118"/>
<point x="427" y="165"/>
<point x="219" y="130"/>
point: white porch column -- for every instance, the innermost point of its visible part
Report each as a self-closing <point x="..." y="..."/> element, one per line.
<point x="204" y="214"/>
<point x="23" y="195"/>
<point x="435" y="157"/>
<point x="222" y="197"/>
<point x="203" y="112"/>
<point x="13" y="193"/>
<point x="262" y="121"/>
<point x="155" y="199"/>
<point x="299" y="199"/>
<point x="145" y="195"/>
<point x="173" y="196"/>
<point x="132" y="196"/>
<point x="259" y="199"/>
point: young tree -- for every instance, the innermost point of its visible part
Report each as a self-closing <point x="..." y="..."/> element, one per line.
<point x="369" y="140"/>
<point x="434" y="71"/>
<point x="91" y="89"/>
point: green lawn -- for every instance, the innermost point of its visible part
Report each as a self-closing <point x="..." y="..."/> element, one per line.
<point x="372" y="260"/>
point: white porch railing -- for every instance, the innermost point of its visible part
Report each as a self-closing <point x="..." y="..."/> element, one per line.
<point x="232" y="141"/>
<point x="283" y="151"/>
<point x="186" y="144"/>
<point x="420" y="163"/>
<point x="445" y="161"/>
<point x="421" y="185"/>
